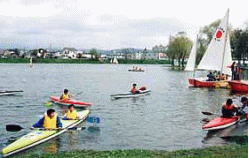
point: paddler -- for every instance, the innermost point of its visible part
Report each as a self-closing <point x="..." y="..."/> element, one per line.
<point x="228" y="110"/>
<point x="49" y="121"/>
<point x="134" y="90"/>
<point x="71" y="113"/>
<point x="243" y="110"/>
<point x="65" y="95"/>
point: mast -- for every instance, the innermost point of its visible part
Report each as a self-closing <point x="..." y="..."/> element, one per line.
<point x="225" y="42"/>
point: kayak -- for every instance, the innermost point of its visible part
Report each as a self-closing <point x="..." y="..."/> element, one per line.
<point x="37" y="136"/>
<point x="220" y="123"/>
<point x="130" y="95"/>
<point x="69" y="102"/>
<point x="136" y="70"/>
<point x="7" y="93"/>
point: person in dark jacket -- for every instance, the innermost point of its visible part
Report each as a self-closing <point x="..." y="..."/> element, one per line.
<point x="243" y="110"/>
<point x="49" y="121"/>
<point x="211" y="77"/>
<point x="228" y="110"/>
<point x="233" y="69"/>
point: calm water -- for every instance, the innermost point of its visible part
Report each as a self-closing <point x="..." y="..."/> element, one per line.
<point x="169" y="118"/>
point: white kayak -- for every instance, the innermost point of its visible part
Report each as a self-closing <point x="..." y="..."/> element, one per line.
<point x="8" y="93"/>
<point x="37" y="136"/>
<point x="131" y="95"/>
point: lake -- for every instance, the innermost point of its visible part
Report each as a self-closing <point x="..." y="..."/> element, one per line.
<point x="167" y="119"/>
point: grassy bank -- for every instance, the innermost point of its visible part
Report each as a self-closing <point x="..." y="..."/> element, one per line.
<point x="79" y="61"/>
<point x="229" y="151"/>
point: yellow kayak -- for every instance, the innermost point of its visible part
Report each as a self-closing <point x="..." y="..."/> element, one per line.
<point x="36" y="136"/>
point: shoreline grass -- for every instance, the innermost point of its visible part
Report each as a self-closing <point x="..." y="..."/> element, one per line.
<point x="226" y="151"/>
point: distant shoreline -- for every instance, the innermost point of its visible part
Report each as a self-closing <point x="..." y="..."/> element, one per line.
<point x="78" y="61"/>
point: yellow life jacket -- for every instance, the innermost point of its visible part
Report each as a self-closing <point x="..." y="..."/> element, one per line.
<point x="65" y="96"/>
<point x="71" y="115"/>
<point x="50" y="123"/>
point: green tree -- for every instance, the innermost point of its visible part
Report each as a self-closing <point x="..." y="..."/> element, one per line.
<point x="179" y="48"/>
<point x="239" y="44"/>
<point x="94" y="53"/>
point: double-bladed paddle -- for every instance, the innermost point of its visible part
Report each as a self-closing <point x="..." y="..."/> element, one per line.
<point x="209" y="113"/>
<point x="16" y="128"/>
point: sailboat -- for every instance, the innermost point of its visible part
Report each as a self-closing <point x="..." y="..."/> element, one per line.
<point x="31" y="62"/>
<point x="216" y="58"/>
<point x="115" y="60"/>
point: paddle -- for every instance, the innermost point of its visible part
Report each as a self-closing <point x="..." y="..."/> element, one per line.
<point x="49" y="104"/>
<point x="16" y="128"/>
<point x="11" y="91"/>
<point x="93" y="119"/>
<point x="209" y="113"/>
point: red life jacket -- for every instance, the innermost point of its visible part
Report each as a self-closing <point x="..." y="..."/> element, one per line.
<point x="134" y="90"/>
<point x="231" y="107"/>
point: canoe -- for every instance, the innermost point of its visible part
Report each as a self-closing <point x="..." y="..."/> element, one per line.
<point x="208" y="84"/>
<point x="69" y="102"/>
<point x="36" y="136"/>
<point x="238" y="86"/>
<point x="130" y="95"/>
<point x="220" y="123"/>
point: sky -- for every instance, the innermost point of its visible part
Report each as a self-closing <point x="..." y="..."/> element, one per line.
<point x="109" y="24"/>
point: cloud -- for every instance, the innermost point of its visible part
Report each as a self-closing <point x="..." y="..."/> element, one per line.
<point x="108" y="33"/>
<point x="107" y="24"/>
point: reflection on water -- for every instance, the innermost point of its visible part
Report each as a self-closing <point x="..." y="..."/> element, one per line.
<point x="168" y="118"/>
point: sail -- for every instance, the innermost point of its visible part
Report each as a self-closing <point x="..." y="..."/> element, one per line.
<point x="192" y="58"/>
<point x="217" y="54"/>
<point x="115" y="61"/>
<point x="227" y="58"/>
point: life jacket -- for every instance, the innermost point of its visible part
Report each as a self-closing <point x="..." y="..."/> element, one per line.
<point x="231" y="107"/>
<point x="134" y="90"/>
<point x="71" y="115"/>
<point x="65" y="97"/>
<point x="50" y="123"/>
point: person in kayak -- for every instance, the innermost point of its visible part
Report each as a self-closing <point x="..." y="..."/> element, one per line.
<point x="71" y="113"/>
<point x="229" y="110"/>
<point x="243" y="110"/>
<point x="65" y="95"/>
<point x="49" y="121"/>
<point x="134" y="90"/>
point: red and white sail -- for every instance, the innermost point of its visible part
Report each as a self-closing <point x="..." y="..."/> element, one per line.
<point x="218" y="54"/>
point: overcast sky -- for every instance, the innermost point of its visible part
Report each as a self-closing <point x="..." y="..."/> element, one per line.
<point x="108" y="24"/>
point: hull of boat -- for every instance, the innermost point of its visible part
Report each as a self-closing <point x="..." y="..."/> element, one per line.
<point x="36" y="137"/>
<point x="220" y="123"/>
<point x="208" y="84"/>
<point x="130" y="95"/>
<point x="69" y="102"/>
<point x="238" y="86"/>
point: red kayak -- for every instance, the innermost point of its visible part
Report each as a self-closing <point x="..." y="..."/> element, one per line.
<point x="220" y="123"/>
<point x="238" y="86"/>
<point x="69" y="102"/>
